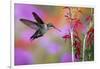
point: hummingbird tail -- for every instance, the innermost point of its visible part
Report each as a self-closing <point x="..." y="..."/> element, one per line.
<point x="35" y="36"/>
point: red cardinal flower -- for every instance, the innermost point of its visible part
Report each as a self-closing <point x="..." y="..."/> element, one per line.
<point x="77" y="44"/>
<point x="88" y="18"/>
<point x="90" y="37"/>
<point x="91" y="30"/>
<point x="78" y="24"/>
<point x="77" y="54"/>
<point x="66" y="37"/>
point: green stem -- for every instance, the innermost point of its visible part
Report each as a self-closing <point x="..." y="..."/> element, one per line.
<point x="71" y="31"/>
<point x="72" y="46"/>
<point x="84" y="44"/>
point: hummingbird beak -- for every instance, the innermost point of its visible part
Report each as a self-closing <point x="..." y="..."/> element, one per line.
<point x="56" y="28"/>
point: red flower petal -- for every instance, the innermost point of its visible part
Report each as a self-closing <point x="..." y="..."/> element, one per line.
<point x="88" y="18"/>
<point x="90" y="37"/>
<point x="66" y="36"/>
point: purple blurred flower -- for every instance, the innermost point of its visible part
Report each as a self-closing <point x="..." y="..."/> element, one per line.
<point x="51" y="47"/>
<point x="25" y="11"/>
<point x="23" y="57"/>
<point x="67" y="57"/>
<point x="26" y="34"/>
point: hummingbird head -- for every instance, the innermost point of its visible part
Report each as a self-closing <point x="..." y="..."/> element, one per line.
<point x="51" y="26"/>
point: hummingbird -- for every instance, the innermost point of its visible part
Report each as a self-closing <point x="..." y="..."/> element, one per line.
<point x="39" y="25"/>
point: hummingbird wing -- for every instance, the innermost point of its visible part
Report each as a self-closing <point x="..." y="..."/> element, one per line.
<point x="38" y="19"/>
<point x="30" y="24"/>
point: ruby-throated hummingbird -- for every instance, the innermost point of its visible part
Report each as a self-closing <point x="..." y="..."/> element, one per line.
<point x="40" y="27"/>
